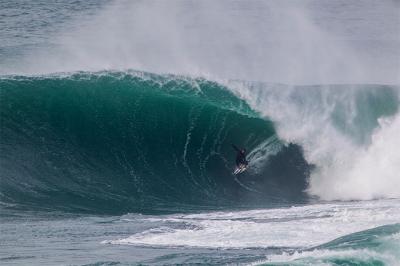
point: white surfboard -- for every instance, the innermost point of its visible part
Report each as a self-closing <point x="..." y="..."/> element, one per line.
<point x="240" y="169"/>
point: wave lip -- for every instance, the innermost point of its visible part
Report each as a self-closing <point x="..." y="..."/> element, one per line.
<point x="136" y="141"/>
<point x="128" y="142"/>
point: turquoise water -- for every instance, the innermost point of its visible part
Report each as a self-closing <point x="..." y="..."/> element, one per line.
<point x="120" y="168"/>
<point x="115" y="141"/>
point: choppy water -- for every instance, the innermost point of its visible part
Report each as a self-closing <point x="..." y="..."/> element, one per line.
<point x="117" y="118"/>
<point x="303" y="235"/>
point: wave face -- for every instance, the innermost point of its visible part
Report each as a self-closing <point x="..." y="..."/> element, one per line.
<point x="120" y="142"/>
<point x="135" y="141"/>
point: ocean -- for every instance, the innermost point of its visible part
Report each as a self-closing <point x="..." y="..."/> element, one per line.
<point x="117" y="120"/>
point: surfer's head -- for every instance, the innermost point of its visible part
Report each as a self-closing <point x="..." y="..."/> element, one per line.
<point x="243" y="151"/>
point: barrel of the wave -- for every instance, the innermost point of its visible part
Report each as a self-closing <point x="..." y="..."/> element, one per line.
<point x="118" y="142"/>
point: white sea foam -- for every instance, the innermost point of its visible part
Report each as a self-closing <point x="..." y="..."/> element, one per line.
<point x="322" y="257"/>
<point x="387" y="252"/>
<point x="353" y="160"/>
<point x="294" y="227"/>
<point x="275" y="41"/>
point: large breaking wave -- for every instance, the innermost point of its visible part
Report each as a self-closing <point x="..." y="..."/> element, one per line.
<point x="133" y="141"/>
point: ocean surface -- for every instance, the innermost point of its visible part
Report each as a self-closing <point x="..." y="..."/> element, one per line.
<point x="117" y="120"/>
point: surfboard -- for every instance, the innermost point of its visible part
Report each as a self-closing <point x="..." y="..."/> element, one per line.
<point x="240" y="169"/>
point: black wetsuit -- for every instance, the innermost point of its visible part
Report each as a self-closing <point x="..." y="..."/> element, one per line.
<point x="240" y="156"/>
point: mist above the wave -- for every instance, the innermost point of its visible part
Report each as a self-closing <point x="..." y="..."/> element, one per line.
<point x="275" y="41"/>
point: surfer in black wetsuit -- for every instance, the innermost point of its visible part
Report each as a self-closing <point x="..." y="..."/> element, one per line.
<point x="240" y="156"/>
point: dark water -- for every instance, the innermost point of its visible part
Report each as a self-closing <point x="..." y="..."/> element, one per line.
<point x="107" y="160"/>
<point x="80" y="151"/>
<point x="116" y="143"/>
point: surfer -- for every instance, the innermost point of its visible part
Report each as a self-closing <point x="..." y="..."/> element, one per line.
<point x="240" y="157"/>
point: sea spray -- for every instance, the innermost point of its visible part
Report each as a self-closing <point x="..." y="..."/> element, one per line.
<point x="349" y="132"/>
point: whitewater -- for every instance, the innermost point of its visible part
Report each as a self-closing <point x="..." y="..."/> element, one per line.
<point x="117" y="119"/>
